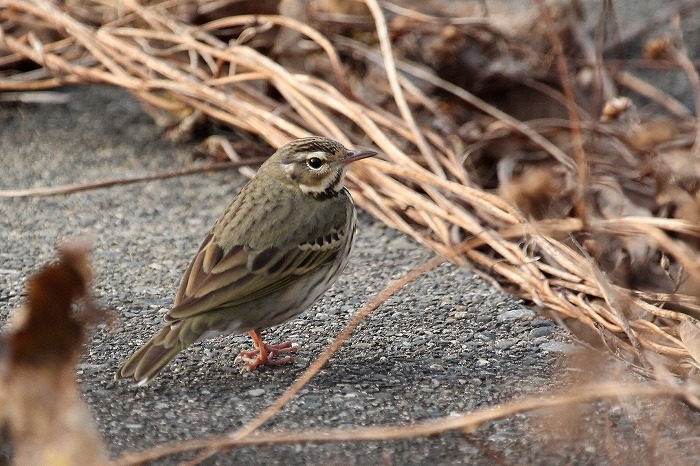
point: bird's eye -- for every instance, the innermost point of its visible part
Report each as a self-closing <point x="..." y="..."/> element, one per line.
<point x="314" y="163"/>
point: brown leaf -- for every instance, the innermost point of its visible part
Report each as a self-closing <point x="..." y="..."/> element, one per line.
<point x="46" y="332"/>
<point x="342" y="7"/>
<point x="615" y="107"/>
<point x="39" y="396"/>
<point x="652" y="133"/>
<point x="542" y="191"/>
<point x="690" y="336"/>
<point x="658" y="48"/>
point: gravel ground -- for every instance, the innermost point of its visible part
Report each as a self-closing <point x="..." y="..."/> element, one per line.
<point x="447" y="343"/>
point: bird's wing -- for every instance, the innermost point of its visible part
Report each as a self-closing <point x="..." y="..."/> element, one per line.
<point x="216" y="279"/>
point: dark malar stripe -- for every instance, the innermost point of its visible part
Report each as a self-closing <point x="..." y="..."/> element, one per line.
<point x="330" y="192"/>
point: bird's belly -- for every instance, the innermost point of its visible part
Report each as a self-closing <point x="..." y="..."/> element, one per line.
<point x="299" y="296"/>
<point x="277" y="307"/>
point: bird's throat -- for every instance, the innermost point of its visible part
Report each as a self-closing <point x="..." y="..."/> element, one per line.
<point x="328" y="190"/>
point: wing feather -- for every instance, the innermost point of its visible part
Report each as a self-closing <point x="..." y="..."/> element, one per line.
<point x="218" y="279"/>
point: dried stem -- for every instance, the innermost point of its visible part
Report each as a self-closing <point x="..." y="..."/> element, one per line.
<point x="78" y="187"/>
<point x="468" y="422"/>
<point x="565" y="76"/>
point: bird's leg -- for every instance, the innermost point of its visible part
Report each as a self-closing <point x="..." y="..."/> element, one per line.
<point x="264" y="354"/>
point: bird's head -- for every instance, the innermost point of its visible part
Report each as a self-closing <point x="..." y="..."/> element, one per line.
<point x="315" y="165"/>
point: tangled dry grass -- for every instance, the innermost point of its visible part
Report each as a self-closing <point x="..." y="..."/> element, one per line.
<point x="552" y="185"/>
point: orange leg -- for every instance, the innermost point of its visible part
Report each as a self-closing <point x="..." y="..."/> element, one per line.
<point x="264" y="354"/>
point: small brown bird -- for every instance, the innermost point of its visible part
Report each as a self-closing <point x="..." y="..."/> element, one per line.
<point x="277" y="247"/>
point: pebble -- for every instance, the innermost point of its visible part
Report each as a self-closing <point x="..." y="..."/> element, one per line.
<point x="539" y="341"/>
<point x="558" y="347"/>
<point x="515" y="314"/>
<point x="361" y="345"/>
<point x="504" y="344"/>
<point x="541" y="332"/>
<point x="402" y="243"/>
<point x="255" y="392"/>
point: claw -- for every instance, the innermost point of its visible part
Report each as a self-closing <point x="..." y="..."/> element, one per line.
<point x="265" y="355"/>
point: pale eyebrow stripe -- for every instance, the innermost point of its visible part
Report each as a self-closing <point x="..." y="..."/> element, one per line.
<point x="319" y="154"/>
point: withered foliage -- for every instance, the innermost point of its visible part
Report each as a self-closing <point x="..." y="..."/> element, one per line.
<point x="39" y="398"/>
<point x="504" y="126"/>
<point x="624" y="430"/>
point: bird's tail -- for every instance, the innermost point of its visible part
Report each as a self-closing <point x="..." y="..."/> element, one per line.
<point x="146" y="363"/>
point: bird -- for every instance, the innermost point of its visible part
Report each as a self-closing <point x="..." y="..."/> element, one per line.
<point x="279" y="245"/>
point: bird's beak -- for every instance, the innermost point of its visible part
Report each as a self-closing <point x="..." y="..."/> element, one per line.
<point x="355" y="155"/>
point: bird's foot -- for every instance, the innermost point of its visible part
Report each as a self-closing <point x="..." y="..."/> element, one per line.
<point x="266" y="355"/>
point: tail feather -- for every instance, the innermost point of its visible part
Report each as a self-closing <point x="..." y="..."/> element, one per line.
<point x="146" y="363"/>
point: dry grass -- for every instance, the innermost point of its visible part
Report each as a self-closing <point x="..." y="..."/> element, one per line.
<point x="570" y="198"/>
